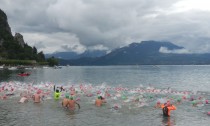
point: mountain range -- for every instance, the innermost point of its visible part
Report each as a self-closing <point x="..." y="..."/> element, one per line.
<point x="143" y="53"/>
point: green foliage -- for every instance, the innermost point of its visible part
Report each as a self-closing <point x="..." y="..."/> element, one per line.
<point x="42" y="63"/>
<point x="12" y="50"/>
<point x="17" y="62"/>
<point x="52" y="61"/>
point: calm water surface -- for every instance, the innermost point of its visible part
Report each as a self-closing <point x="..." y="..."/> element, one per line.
<point x="180" y="78"/>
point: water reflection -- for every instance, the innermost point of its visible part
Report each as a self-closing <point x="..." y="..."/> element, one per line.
<point x="5" y="74"/>
<point x="168" y="121"/>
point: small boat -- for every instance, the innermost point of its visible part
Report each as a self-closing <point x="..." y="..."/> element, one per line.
<point x="57" y="67"/>
<point x="1" y="67"/>
<point x="23" y="74"/>
<point x="12" y="68"/>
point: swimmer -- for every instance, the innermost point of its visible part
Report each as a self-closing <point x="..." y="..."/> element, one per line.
<point x="179" y="101"/>
<point x="167" y="107"/>
<point x="207" y="102"/>
<point x="65" y="101"/>
<point x="23" y="99"/>
<point x="208" y="113"/>
<point x="10" y="94"/>
<point x="37" y="97"/>
<point x="107" y="94"/>
<point x="194" y="103"/>
<point x="158" y="105"/>
<point x="71" y="104"/>
<point x="192" y="98"/>
<point x="4" y="97"/>
<point x="62" y="89"/>
<point x="72" y="92"/>
<point x="99" y="101"/>
<point x="56" y="94"/>
<point x="116" y="107"/>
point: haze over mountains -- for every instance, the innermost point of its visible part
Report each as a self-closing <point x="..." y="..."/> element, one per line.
<point x="74" y="55"/>
<point x="144" y="53"/>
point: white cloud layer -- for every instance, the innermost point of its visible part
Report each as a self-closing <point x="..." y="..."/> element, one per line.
<point x="77" y="25"/>
<point x="175" y="51"/>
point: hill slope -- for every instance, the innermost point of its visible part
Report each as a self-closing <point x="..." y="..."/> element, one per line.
<point x="14" y="47"/>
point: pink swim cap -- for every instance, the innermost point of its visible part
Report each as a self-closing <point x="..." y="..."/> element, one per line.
<point x="208" y="113"/>
<point x="39" y="91"/>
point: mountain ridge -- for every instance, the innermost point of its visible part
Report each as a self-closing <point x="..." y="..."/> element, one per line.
<point x="145" y="53"/>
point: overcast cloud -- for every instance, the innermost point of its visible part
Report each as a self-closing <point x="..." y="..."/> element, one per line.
<point x="77" y="25"/>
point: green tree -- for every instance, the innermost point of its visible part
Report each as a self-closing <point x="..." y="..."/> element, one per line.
<point x="34" y="50"/>
<point x="52" y="61"/>
<point x="41" y="57"/>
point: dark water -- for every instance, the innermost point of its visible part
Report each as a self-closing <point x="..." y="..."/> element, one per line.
<point x="180" y="78"/>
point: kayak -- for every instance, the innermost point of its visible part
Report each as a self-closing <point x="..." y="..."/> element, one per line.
<point x="23" y="74"/>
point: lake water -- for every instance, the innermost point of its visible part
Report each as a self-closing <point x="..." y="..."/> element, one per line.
<point x="124" y="83"/>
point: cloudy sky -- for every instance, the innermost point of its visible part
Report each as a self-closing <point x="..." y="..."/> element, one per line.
<point x="77" y="25"/>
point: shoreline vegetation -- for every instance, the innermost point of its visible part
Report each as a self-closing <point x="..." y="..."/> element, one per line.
<point x="13" y="62"/>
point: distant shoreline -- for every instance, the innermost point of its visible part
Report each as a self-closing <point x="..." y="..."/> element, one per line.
<point x="7" y="62"/>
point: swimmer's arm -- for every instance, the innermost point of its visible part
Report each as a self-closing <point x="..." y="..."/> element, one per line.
<point x="67" y="104"/>
<point x="54" y="88"/>
<point x="172" y="107"/>
<point x="78" y="105"/>
<point x="162" y="106"/>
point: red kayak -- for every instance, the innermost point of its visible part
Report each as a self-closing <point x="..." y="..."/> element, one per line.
<point x="23" y="74"/>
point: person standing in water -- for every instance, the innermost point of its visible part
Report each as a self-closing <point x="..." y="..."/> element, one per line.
<point x="99" y="101"/>
<point x="65" y="101"/>
<point x="57" y="93"/>
<point x="167" y="107"/>
<point x="37" y="97"/>
<point x="71" y="104"/>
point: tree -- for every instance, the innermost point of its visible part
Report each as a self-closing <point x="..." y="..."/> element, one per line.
<point x="34" y="50"/>
<point x="52" y="61"/>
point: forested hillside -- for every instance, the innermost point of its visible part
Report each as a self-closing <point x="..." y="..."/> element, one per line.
<point x="14" y="47"/>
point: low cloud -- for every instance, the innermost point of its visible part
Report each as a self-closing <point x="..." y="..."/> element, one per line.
<point x="175" y="51"/>
<point x="107" y="24"/>
<point x="73" y="48"/>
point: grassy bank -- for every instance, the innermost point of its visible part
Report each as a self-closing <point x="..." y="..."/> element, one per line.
<point x="21" y="62"/>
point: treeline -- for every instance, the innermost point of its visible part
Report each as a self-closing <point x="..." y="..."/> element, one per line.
<point x="21" y="62"/>
<point x="12" y="50"/>
<point x="50" y="61"/>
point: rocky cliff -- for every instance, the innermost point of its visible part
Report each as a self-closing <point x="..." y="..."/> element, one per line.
<point x="19" y="38"/>
<point x="14" y="47"/>
<point x="5" y="31"/>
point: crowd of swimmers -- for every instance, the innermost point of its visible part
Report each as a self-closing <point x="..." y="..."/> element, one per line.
<point x="69" y="100"/>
